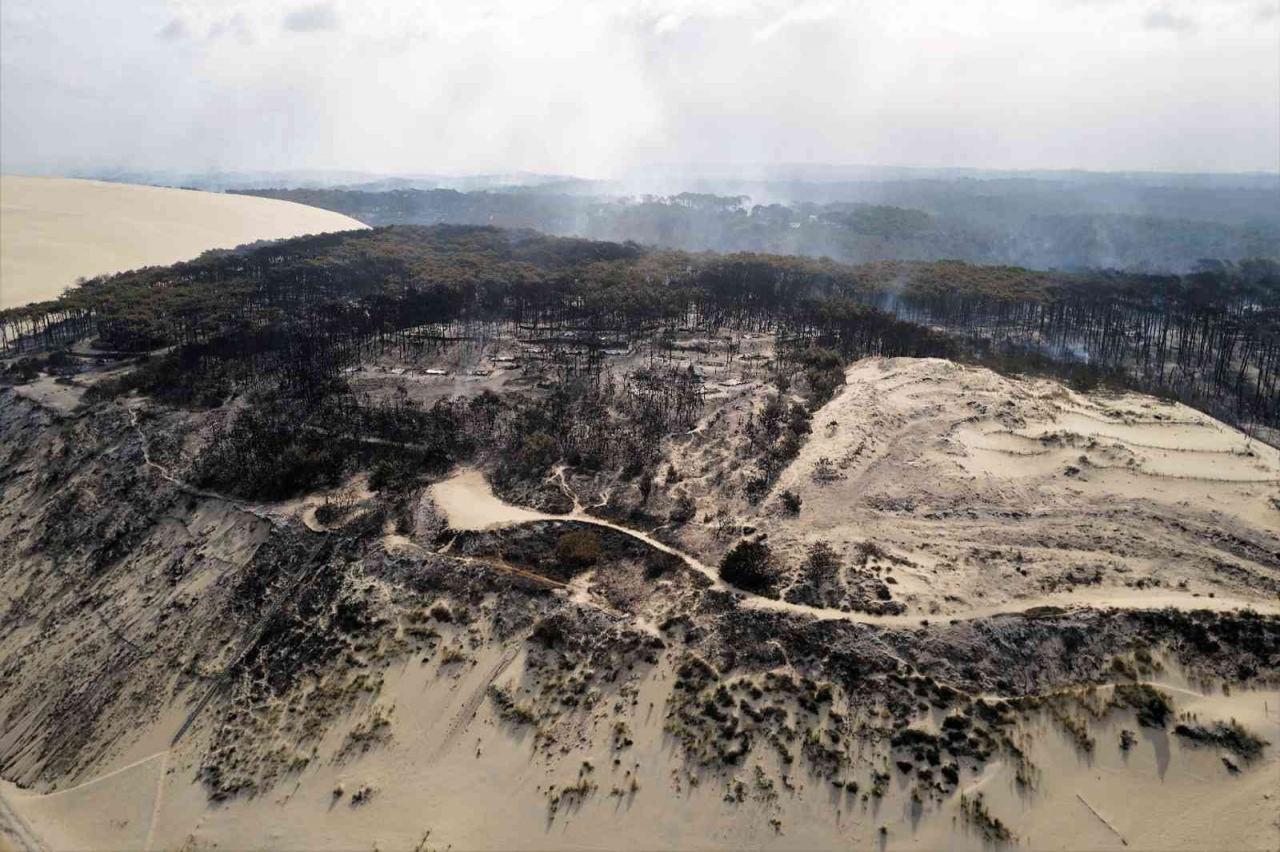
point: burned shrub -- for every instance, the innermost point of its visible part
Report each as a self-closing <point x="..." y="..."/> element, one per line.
<point x="1232" y="736"/>
<point x="749" y="565"/>
<point x="1152" y="705"/>
<point x="684" y="510"/>
<point x="579" y="549"/>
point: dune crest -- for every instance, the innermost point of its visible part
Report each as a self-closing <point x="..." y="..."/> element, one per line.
<point x="55" y="230"/>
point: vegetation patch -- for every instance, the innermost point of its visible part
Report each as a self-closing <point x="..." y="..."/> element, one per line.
<point x="1153" y="706"/>
<point x="749" y="565"/>
<point x="1232" y="736"/>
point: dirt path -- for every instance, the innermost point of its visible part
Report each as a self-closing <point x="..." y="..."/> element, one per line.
<point x="469" y="503"/>
<point x="167" y="475"/>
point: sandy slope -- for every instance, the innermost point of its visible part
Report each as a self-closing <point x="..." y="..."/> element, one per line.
<point x="453" y="774"/>
<point x="984" y="491"/>
<point x="54" y="230"/>
<point x="962" y="476"/>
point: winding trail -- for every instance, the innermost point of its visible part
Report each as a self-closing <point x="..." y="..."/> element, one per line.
<point x="182" y="485"/>
<point x="469" y="503"/>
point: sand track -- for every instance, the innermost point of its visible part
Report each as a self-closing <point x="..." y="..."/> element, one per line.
<point x="469" y="503"/>
<point x="15" y="831"/>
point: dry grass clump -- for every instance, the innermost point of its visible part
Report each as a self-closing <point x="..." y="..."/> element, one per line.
<point x="1232" y="736"/>
<point x="575" y="793"/>
<point x="976" y="814"/>
<point x="453" y="654"/>
<point x="374" y="731"/>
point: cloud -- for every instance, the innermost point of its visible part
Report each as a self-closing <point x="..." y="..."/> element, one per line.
<point x="174" y="30"/>
<point x="605" y="88"/>
<point x="1164" y="19"/>
<point x="314" y="17"/>
<point x="236" y="26"/>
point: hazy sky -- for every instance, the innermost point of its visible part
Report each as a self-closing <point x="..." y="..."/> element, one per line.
<point x="597" y="87"/>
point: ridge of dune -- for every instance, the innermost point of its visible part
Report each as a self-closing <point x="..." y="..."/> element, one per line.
<point x="55" y="230"/>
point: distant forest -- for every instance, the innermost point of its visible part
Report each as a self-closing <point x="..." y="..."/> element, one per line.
<point x="298" y="311"/>
<point x="1036" y="224"/>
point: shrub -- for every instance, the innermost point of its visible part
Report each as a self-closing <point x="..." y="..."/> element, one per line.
<point x="551" y="630"/>
<point x="336" y="505"/>
<point x="658" y="564"/>
<point x="791" y="502"/>
<point x="825" y="471"/>
<point x="390" y="474"/>
<point x="684" y="510"/>
<point x="749" y="565"/>
<point x="1152" y="705"/>
<point x="823" y="561"/>
<point x="755" y="488"/>
<point x="538" y="452"/>
<point x="23" y="370"/>
<point x="579" y="549"/>
<point x="1232" y="736"/>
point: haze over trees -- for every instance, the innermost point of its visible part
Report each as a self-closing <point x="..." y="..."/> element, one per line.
<point x="1047" y="222"/>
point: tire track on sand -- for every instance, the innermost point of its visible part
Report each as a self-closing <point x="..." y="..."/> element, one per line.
<point x="15" y="832"/>
<point x="471" y="706"/>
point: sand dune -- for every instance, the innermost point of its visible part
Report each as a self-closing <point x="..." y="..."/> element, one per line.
<point x="55" y="230"/>
<point x="438" y="717"/>
<point x="993" y="491"/>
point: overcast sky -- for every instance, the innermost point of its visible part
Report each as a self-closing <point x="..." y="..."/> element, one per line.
<point x="600" y="87"/>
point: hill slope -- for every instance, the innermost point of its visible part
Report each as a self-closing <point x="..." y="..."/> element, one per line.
<point x="186" y="668"/>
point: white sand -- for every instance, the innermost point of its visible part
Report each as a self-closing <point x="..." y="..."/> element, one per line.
<point x="55" y="230"/>
<point x="945" y="467"/>
<point x="470" y="504"/>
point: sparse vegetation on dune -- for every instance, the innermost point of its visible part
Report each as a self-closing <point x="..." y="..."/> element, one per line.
<point x="1152" y="705"/>
<point x="700" y="581"/>
<point x="1231" y="736"/>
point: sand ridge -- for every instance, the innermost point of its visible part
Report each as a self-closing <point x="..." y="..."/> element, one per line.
<point x="988" y="489"/>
